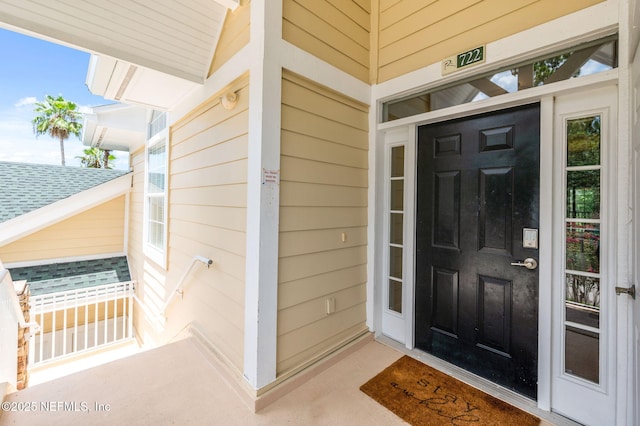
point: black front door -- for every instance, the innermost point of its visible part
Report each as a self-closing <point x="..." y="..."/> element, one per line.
<point x="477" y="190"/>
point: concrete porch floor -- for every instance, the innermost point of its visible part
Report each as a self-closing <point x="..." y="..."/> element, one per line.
<point x="178" y="384"/>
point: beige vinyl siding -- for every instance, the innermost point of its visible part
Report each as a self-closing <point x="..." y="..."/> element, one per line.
<point x="336" y="31"/>
<point x="413" y="34"/>
<point x="323" y="194"/>
<point x="135" y="255"/>
<point x="207" y="217"/>
<point x="235" y="35"/>
<point x="99" y="230"/>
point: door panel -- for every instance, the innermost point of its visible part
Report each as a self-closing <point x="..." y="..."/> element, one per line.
<point x="477" y="189"/>
<point x="585" y="348"/>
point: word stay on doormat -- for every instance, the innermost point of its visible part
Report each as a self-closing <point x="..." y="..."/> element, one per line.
<point x="421" y="395"/>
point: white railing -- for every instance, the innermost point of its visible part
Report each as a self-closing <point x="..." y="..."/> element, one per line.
<point x="82" y="320"/>
<point x="159" y="318"/>
<point x="178" y="291"/>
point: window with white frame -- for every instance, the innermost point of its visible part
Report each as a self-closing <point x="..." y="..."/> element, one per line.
<point x="155" y="226"/>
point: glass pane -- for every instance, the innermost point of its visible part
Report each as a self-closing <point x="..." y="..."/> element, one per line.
<point x="156" y="235"/>
<point x="157" y="156"/>
<point x="395" y="296"/>
<point x="583" y="141"/>
<point x="397" y="161"/>
<point x="583" y="247"/>
<point x="395" y="262"/>
<point x="582" y="354"/>
<point x="395" y="228"/>
<point x="397" y="194"/>
<point x="592" y="59"/>
<point x="156" y="209"/>
<point x="583" y="194"/>
<point x="583" y="315"/>
<point x="583" y="290"/>
<point x="156" y="168"/>
<point x="156" y="183"/>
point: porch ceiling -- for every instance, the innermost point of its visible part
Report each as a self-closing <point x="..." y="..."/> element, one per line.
<point x="177" y="38"/>
<point x="137" y="46"/>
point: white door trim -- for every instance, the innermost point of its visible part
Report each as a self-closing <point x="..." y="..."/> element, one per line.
<point x="545" y="96"/>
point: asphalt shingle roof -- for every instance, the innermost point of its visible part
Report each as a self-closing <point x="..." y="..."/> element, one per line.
<point x="56" y="277"/>
<point x="27" y="187"/>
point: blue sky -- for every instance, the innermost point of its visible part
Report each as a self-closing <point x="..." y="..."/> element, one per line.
<point x="32" y="68"/>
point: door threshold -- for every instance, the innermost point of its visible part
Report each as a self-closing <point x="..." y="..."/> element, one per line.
<point x="493" y="389"/>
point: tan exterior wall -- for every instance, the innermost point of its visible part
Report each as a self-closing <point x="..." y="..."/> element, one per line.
<point x="413" y="34"/>
<point x="235" y="35"/>
<point x="207" y="217"/>
<point x="323" y="195"/>
<point x="336" y="31"/>
<point x="99" y="230"/>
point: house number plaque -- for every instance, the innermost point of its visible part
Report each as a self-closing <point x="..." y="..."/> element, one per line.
<point x="455" y="63"/>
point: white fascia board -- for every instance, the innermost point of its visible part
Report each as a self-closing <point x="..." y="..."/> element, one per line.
<point x="126" y="117"/>
<point x="584" y="25"/>
<point x="99" y="73"/>
<point x="39" y="262"/>
<point x="297" y="60"/>
<point x="89" y="128"/>
<point x="33" y="221"/>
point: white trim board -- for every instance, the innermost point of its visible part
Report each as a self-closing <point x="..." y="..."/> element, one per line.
<point x="263" y="200"/>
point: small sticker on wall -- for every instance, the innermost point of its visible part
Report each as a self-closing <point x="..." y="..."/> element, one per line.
<point x="270" y="177"/>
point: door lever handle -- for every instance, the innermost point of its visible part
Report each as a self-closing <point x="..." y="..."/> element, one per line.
<point x="631" y="291"/>
<point x="529" y="263"/>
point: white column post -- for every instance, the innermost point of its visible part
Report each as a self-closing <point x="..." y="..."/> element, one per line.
<point x="263" y="195"/>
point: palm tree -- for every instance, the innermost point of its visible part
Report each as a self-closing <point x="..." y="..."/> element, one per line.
<point x="59" y="118"/>
<point x="96" y="158"/>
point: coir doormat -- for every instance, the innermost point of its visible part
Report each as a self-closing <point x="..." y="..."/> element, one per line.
<point x="421" y="395"/>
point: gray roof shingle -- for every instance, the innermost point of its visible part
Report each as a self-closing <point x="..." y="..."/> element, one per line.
<point x="56" y="277"/>
<point x="27" y="187"/>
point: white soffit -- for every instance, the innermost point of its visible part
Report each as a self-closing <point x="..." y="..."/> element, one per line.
<point x="177" y="38"/>
<point x="115" y="127"/>
<point x="124" y="82"/>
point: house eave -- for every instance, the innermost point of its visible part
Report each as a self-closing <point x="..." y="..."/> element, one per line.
<point x="36" y="220"/>
<point x="115" y="127"/>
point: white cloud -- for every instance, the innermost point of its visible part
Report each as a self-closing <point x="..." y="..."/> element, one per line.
<point x="30" y="100"/>
<point x="85" y="109"/>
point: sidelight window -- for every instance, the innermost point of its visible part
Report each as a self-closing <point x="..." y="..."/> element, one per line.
<point x="583" y="172"/>
<point x="396" y="229"/>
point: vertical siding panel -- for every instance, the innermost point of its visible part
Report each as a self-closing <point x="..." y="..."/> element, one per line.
<point x="323" y="195"/>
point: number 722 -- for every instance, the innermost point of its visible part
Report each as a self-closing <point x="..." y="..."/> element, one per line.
<point x="470" y="57"/>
